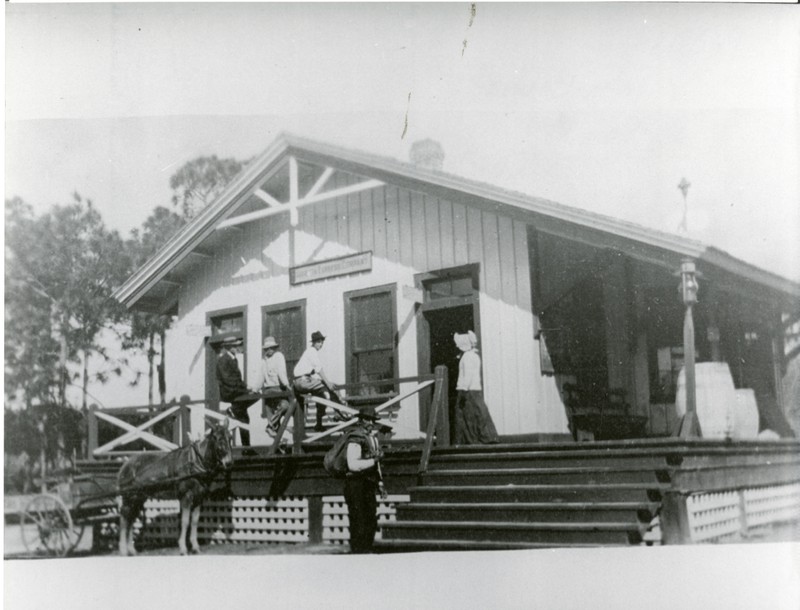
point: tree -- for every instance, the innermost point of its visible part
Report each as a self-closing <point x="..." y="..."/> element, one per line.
<point x="199" y="181"/>
<point x="60" y="271"/>
<point x="159" y="227"/>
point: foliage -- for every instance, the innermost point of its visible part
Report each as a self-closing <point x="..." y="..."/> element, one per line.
<point x="199" y="181"/>
<point x="159" y="227"/>
<point x="61" y="431"/>
<point x="60" y="271"/>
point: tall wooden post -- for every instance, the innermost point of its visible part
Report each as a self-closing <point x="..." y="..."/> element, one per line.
<point x="690" y="426"/>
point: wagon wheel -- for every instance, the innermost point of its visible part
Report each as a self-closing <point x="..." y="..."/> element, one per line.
<point x="46" y="526"/>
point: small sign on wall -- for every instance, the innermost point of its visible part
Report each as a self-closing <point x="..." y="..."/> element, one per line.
<point x="343" y="265"/>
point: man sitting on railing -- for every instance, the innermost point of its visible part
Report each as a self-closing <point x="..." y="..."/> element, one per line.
<point x="309" y="378"/>
<point x="232" y="388"/>
<point x="273" y="369"/>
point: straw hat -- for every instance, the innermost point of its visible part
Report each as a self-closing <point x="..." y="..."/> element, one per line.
<point x="269" y="342"/>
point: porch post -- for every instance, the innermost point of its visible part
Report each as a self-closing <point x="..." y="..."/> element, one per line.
<point x="675" y="527"/>
<point x="690" y="426"/>
<point x="778" y="366"/>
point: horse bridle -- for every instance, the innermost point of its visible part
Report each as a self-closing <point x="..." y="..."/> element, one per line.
<point x="216" y="458"/>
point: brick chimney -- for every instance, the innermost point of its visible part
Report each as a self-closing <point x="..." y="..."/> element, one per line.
<point x="427" y="154"/>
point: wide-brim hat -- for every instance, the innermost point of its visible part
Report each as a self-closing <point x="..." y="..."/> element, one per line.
<point x="317" y="336"/>
<point x="269" y="342"/>
<point x="366" y="418"/>
<point x="230" y="341"/>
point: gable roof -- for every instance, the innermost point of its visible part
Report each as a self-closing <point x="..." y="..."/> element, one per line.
<point x="552" y="216"/>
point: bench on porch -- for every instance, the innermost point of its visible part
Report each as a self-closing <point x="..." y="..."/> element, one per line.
<point x="602" y="418"/>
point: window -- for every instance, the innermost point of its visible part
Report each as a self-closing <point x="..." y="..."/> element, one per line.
<point x="446" y="287"/>
<point x="225" y="323"/>
<point x="370" y="330"/>
<point x="287" y="323"/>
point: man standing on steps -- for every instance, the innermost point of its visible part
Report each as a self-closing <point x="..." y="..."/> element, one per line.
<point x="309" y="378"/>
<point x="232" y="388"/>
<point x="362" y="482"/>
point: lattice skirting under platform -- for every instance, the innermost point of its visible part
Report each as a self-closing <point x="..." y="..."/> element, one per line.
<point x="731" y="515"/>
<point x="257" y="520"/>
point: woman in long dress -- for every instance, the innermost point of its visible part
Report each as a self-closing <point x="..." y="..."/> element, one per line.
<point x="474" y="424"/>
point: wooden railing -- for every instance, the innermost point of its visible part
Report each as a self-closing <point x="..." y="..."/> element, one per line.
<point x="189" y="418"/>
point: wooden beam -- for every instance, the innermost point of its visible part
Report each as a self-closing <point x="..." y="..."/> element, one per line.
<point x="354" y="188"/>
<point x="346" y="190"/>
<point x="267" y="198"/>
<point x="321" y="181"/>
<point x="294" y="189"/>
<point x="293" y="181"/>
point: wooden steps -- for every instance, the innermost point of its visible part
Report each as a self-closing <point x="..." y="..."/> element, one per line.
<point x="624" y="492"/>
<point x="554" y="534"/>
<point x="538" y="476"/>
<point x="525" y="497"/>
<point x="411" y="546"/>
<point x="529" y="512"/>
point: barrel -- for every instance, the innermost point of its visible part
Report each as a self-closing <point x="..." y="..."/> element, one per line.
<point x="716" y="398"/>
<point x="745" y="420"/>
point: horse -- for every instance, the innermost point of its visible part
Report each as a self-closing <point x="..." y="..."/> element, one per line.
<point x="186" y="472"/>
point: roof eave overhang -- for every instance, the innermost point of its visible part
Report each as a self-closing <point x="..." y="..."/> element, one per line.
<point x="198" y="229"/>
<point x="403" y="174"/>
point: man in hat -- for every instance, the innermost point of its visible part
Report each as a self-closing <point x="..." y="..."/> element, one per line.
<point x="232" y="388"/>
<point x="363" y="481"/>
<point x="273" y="369"/>
<point x="309" y="377"/>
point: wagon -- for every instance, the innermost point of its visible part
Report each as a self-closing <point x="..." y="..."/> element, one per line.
<point x="53" y="522"/>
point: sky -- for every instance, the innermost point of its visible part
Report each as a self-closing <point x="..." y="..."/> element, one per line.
<point x="604" y="107"/>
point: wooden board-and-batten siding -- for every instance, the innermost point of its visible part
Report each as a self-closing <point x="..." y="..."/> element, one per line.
<point x="409" y="233"/>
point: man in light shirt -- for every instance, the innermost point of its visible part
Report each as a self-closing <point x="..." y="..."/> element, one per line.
<point x="309" y="378"/>
<point x="273" y="370"/>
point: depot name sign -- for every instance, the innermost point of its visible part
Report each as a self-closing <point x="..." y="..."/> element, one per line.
<point x="343" y="265"/>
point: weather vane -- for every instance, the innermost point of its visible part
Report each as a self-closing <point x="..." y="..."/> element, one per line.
<point x="684" y="188"/>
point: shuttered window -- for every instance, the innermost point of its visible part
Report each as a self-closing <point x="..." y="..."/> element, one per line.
<point x="371" y="329"/>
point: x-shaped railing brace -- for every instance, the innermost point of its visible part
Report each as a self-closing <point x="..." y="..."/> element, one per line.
<point x="350" y="410"/>
<point x="134" y="432"/>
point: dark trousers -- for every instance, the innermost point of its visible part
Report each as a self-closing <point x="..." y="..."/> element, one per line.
<point x="239" y="406"/>
<point x="362" y="511"/>
<point x="312" y="385"/>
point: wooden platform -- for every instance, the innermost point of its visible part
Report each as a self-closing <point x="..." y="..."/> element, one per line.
<point x="529" y="495"/>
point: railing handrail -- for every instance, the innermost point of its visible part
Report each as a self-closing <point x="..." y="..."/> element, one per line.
<point x="294" y="412"/>
<point x="439" y="394"/>
<point x="382" y="382"/>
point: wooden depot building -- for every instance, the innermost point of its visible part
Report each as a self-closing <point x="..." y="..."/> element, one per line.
<point x="578" y="315"/>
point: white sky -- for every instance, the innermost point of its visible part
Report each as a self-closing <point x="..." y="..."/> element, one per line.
<point x="604" y="107"/>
